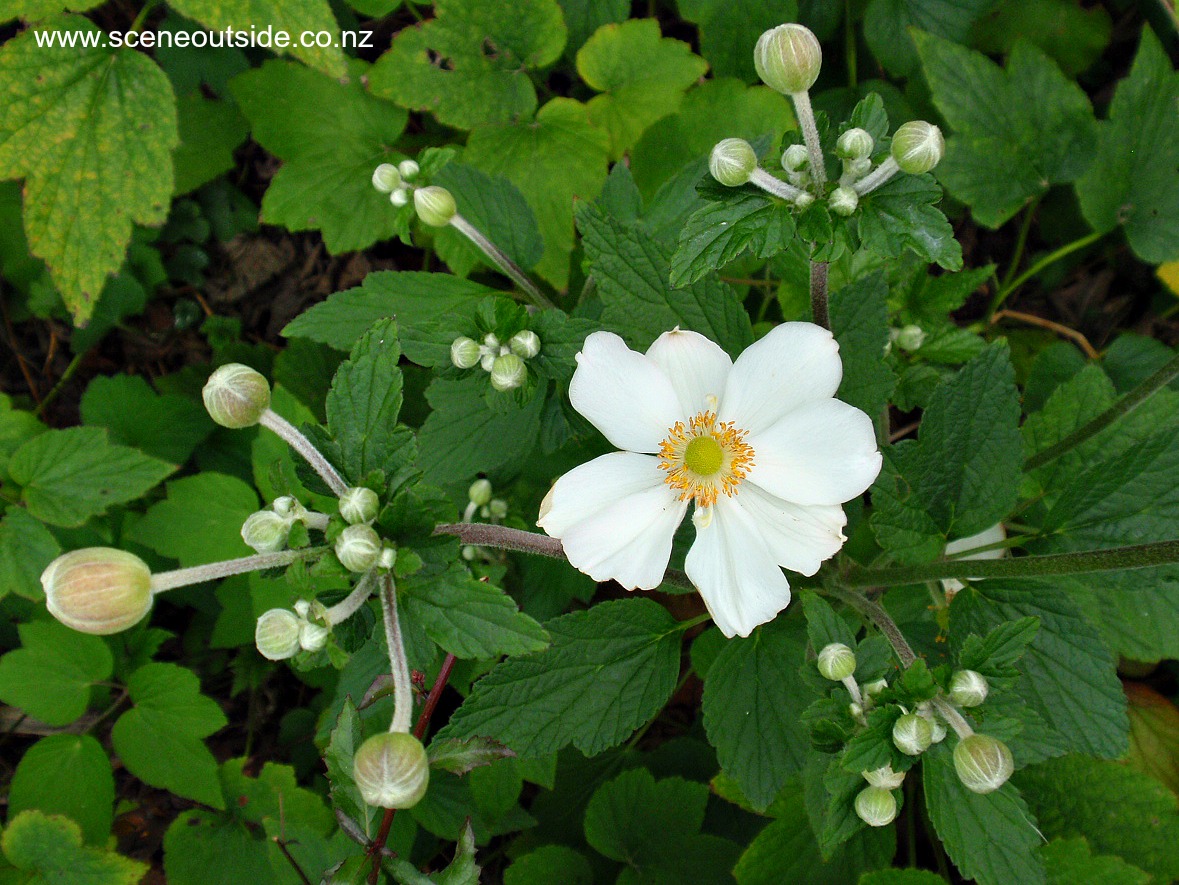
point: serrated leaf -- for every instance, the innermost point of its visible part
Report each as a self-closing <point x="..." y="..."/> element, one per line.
<point x="1016" y="132"/>
<point x="346" y="737"/>
<point x="1070" y="862"/>
<point x="550" y="863"/>
<point x="83" y="126"/>
<point x="642" y="74"/>
<point x="67" y="774"/>
<point x="903" y="215"/>
<point x="729" y="30"/>
<point x="996" y="654"/>
<point x="1132" y="181"/>
<point x="1137" y="611"/>
<point x="632" y="271"/>
<point x="823" y="625"/>
<point x="159" y="739"/>
<point x="629" y="815"/>
<point x="26" y="548"/>
<point x="859" y="321"/>
<point x="460" y="757"/>
<point x="608" y="671"/>
<point x="50" y="847"/>
<point x="329" y="156"/>
<point x="496" y="209"/>
<point x="71" y="475"/>
<point x="889" y="24"/>
<point x="210" y="131"/>
<point x="990" y="838"/>
<point x="51" y="674"/>
<point x="721" y="231"/>
<point x="168" y="426"/>
<point x="1073" y="36"/>
<point x="200" y="520"/>
<point x="753" y="696"/>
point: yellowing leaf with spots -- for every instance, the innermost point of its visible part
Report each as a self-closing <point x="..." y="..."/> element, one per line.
<point x="91" y="130"/>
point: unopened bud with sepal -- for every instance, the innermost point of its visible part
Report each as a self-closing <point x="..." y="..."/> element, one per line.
<point x="788" y="58"/>
<point x="386" y="178"/>
<point x="358" y="548"/>
<point x="435" y="205"/>
<point x="391" y="770"/>
<point x="525" y="344"/>
<point x="359" y="505"/>
<point x="983" y="763"/>
<point x="479" y="493"/>
<point x="266" y="531"/>
<point x="276" y="635"/>
<point x="854" y="144"/>
<point x="836" y="661"/>
<point x="968" y="688"/>
<point x="508" y="372"/>
<point x="732" y="162"/>
<point x="885" y="777"/>
<point x="236" y="396"/>
<point x="465" y="353"/>
<point x="918" y="146"/>
<point x="843" y="201"/>
<point x="98" y="590"/>
<point x="912" y="734"/>
<point x="876" y="806"/>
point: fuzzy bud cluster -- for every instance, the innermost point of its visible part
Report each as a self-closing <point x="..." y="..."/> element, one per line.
<point x="504" y="363"/>
<point x="394" y="180"/>
<point x="280" y="634"/>
<point x="358" y="548"/>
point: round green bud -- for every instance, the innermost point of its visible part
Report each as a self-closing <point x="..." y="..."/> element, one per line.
<point x="843" y="201"/>
<point x="855" y="144"/>
<point x="391" y="770"/>
<point x="909" y="337"/>
<point x="288" y="507"/>
<point x="837" y="662"/>
<point x="464" y="353"/>
<point x="732" y="161"/>
<point x="358" y="548"/>
<point x="359" y="505"/>
<point x="388" y="558"/>
<point x="885" y="778"/>
<point x="266" y="531"/>
<point x="409" y="169"/>
<point x="525" y="344"/>
<point x="479" y="493"/>
<point x="795" y="158"/>
<point x="399" y="197"/>
<point x="937" y="728"/>
<point x="98" y="590"/>
<point x="508" y="372"/>
<point x="236" y="396"/>
<point x="434" y="205"/>
<point x="857" y="168"/>
<point x="876" y="806"/>
<point x="498" y="508"/>
<point x="312" y="637"/>
<point x="804" y="199"/>
<point x="276" y="635"/>
<point x="386" y="178"/>
<point x="788" y="58"/>
<point x="918" y="146"/>
<point x="983" y="763"/>
<point x="968" y="688"/>
<point x="912" y="734"/>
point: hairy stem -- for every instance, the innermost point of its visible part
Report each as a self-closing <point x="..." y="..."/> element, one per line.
<point x="875" y="613"/>
<point x="349" y="605"/>
<point x="500" y="259"/>
<point x="198" y="574"/>
<point x="810" y="134"/>
<point x="301" y="444"/>
<point x="877" y="177"/>
<point x="398" y="665"/>
<point x="776" y="186"/>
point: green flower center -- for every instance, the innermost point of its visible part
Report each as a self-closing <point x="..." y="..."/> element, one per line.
<point x="704" y="456"/>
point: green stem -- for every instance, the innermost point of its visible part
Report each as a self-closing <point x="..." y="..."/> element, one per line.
<point x="875" y="613"/>
<point x="502" y="261"/>
<point x="1021" y="241"/>
<point x="1136" y="556"/>
<point x="62" y="382"/>
<point x="213" y="571"/>
<point x="398" y="664"/>
<point x="819" y="311"/>
<point x="1121" y="408"/>
<point x="849" y="42"/>
<point x="1047" y="260"/>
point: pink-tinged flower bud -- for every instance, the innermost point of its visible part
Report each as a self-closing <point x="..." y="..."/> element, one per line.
<point x="732" y="162"/>
<point x="434" y="205"/>
<point x="983" y="763"/>
<point x="236" y="396"/>
<point x="918" y="146"/>
<point x="391" y="770"/>
<point x="98" y="590"/>
<point x="876" y="806"/>
<point x="788" y="58"/>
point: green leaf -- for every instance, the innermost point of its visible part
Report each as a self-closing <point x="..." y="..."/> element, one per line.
<point x="201" y="848"/>
<point x="72" y="475"/>
<point x="346" y="737"/>
<point x="1073" y="36"/>
<point x="26" y="548"/>
<point x="608" y="671"/>
<point x="888" y="27"/>
<point x="990" y="838"/>
<point x="721" y="231"/>
<point x="753" y="698"/>
<point x="467" y="65"/>
<point x="902" y="215"/>
<point x="554" y="159"/>
<point x="50" y="847"/>
<point x="632" y="269"/>
<point x="1132" y="181"/>
<point x="91" y="130"/>
<point x="414" y="298"/>
<point x="67" y="774"/>
<point x="1118" y="810"/>
<point x="461" y="757"/>
<point x="281" y="15"/>
<point x="729" y="30"/>
<point x="328" y="156"/>
<point x="1068" y="674"/>
<point x="210" y="131"/>
<point x="1016" y="132"/>
<point x="547" y="864"/>
<point x="1070" y="862"/>
<point x="859" y="320"/>
<point x="16" y="426"/>
<point x="200" y="521"/>
<point x="470" y="618"/>
<point x="1136" y="611"/>
<point x="50" y="676"/>
<point x="159" y="739"/>
<point x="168" y="427"/>
<point x="901" y="877"/>
<point x="496" y="209"/>
<point x="629" y="814"/>
<point x="642" y="74"/>
<point x="823" y="625"/>
<point x="996" y="654"/>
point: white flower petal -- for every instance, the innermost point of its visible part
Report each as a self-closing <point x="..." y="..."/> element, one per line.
<point x="801" y="537"/>
<point x="735" y="572"/>
<point x="993" y="535"/>
<point x="696" y="367"/>
<point x="628" y="541"/>
<point x="590" y="488"/>
<point x="794" y="364"/>
<point x="623" y="394"/>
<point x="820" y="453"/>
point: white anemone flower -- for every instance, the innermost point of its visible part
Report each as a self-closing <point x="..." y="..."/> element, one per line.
<point x="994" y="535"/>
<point x="759" y="446"/>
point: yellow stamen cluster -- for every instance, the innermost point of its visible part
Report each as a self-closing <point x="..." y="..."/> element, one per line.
<point x="704" y="458"/>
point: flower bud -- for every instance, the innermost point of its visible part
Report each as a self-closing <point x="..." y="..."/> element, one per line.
<point x="732" y="161"/>
<point x="409" y="169"/>
<point x="857" y="168"/>
<point x="788" y="58"/>
<point x="795" y="158"/>
<point x="937" y="728"/>
<point x="876" y="806"/>
<point x="479" y="493"/>
<point x="386" y="178"/>
<point x="358" y="548"/>
<point x="288" y="507"/>
<point x="266" y="531"/>
<point x="508" y="372"/>
<point x="804" y="199"/>
<point x="875" y="687"/>
<point x="391" y="770"/>
<point x="399" y="197"/>
<point x="885" y="778"/>
<point x="434" y="205"/>
<point x="98" y="590"/>
<point x="983" y="763"/>
<point x="498" y="508"/>
<point x="855" y="144"/>
<point x="968" y="688"/>
<point x="359" y="505"/>
<point x="909" y="337"/>
<point x="843" y="201"/>
<point x="525" y="344"/>
<point x="837" y="662"/>
<point x="236" y="396"/>
<point x="312" y="637"/>
<point x="388" y="558"/>
<point x="918" y="146"/>
<point x="464" y="353"/>
<point x="276" y="634"/>
<point x="912" y="734"/>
